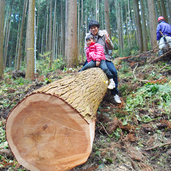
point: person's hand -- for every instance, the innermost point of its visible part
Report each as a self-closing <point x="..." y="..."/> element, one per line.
<point x="107" y="38"/>
<point x="97" y="63"/>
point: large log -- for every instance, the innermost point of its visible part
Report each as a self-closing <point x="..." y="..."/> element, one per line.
<point x="53" y="127"/>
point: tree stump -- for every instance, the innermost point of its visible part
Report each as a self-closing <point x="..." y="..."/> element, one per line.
<point x="53" y="127"/>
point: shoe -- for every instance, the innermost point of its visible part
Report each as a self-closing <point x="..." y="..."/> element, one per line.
<point x="160" y="53"/>
<point x="111" y="84"/>
<point x="117" y="99"/>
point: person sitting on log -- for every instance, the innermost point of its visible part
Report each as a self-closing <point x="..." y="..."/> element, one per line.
<point x="101" y="37"/>
<point x="96" y="58"/>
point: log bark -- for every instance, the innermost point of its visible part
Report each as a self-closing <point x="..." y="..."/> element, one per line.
<point x="53" y="127"/>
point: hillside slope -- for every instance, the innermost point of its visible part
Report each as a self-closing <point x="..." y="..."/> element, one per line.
<point x="134" y="135"/>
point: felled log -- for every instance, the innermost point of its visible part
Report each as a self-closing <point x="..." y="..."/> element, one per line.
<point x="53" y="127"/>
<point x="159" y="58"/>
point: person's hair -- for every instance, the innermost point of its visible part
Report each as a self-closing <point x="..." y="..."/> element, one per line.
<point x="93" y="23"/>
<point x="89" y="37"/>
<point x="161" y="21"/>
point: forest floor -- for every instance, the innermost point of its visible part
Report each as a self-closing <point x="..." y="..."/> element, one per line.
<point x="132" y="136"/>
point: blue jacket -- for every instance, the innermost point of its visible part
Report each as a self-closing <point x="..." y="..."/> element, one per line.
<point x="165" y="28"/>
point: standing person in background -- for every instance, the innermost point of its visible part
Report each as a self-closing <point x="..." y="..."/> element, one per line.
<point x="101" y="37"/>
<point x="163" y="35"/>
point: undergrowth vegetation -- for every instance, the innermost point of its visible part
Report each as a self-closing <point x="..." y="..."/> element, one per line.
<point x="43" y="65"/>
<point x="150" y="96"/>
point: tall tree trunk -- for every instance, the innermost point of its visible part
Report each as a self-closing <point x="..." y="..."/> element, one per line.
<point x="7" y="44"/>
<point x="21" y="34"/>
<point x="30" y="41"/>
<point x="60" y="46"/>
<point x="42" y="41"/>
<point x="78" y="35"/>
<point x="16" y="48"/>
<point x="38" y="31"/>
<point x="56" y="42"/>
<point x="159" y="7"/>
<point x="58" y="39"/>
<point x="5" y="23"/>
<point x="147" y="14"/>
<point x="50" y="35"/>
<point x="2" y="9"/>
<point x="47" y="33"/>
<point x="98" y="16"/>
<point x="129" y="16"/>
<point x="127" y="25"/>
<point x="86" y="23"/>
<point x="169" y="11"/>
<point x="122" y="23"/>
<point x="138" y="25"/>
<point x="145" y="46"/>
<point x="54" y="34"/>
<point x="47" y="21"/>
<point x="152" y="23"/>
<point x="10" y="61"/>
<point x="102" y="15"/>
<point x="72" y="34"/>
<point x="82" y="31"/>
<point x="119" y="25"/>
<point x="7" y="36"/>
<point x="62" y="30"/>
<point x="164" y="10"/>
<point x="66" y="28"/>
<point x="107" y="21"/>
<point x="118" y="19"/>
<point x="35" y="42"/>
<point x="97" y="10"/>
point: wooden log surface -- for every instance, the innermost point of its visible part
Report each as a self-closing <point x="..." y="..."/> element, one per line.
<point x="53" y="127"/>
<point x="84" y="92"/>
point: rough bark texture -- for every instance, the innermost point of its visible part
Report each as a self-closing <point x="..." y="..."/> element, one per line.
<point x="50" y="34"/>
<point x="2" y="9"/>
<point x="83" y="92"/>
<point x="53" y="128"/>
<point x="30" y="41"/>
<point x="138" y="25"/>
<point x="21" y="34"/>
<point x="71" y="44"/>
<point x="107" y="18"/>
<point x="144" y="29"/>
<point x="163" y="8"/>
<point x="152" y="23"/>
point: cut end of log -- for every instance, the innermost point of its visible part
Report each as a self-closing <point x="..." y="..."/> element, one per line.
<point x="45" y="133"/>
<point x="53" y="128"/>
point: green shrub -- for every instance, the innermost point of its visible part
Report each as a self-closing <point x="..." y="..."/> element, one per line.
<point x="150" y="94"/>
<point x="43" y="65"/>
<point x="21" y="81"/>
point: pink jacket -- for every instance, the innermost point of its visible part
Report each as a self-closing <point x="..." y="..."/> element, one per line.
<point x="95" y="52"/>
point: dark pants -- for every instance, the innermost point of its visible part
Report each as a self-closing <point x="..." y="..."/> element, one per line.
<point x="103" y="66"/>
<point x="112" y="69"/>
